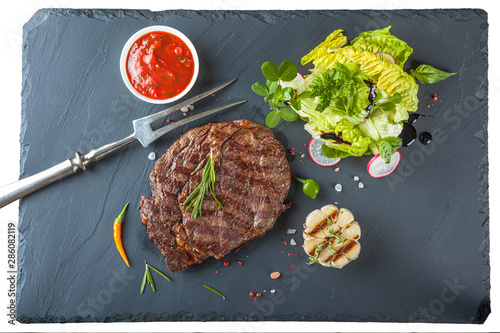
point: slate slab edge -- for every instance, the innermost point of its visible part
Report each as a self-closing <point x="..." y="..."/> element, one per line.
<point x="266" y="16"/>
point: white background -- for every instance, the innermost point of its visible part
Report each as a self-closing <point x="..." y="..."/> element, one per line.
<point x="18" y="12"/>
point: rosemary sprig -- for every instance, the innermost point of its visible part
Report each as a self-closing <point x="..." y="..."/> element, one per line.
<point x="149" y="278"/>
<point x="206" y="185"/>
<point x="157" y="271"/>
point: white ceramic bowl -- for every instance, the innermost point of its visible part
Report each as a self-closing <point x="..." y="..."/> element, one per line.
<point x="142" y="32"/>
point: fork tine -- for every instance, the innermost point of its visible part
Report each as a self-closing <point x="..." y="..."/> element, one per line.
<point x="162" y="114"/>
<point x="167" y="128"/>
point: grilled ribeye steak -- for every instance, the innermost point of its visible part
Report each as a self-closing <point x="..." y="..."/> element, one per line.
<point x="252" y="182"/>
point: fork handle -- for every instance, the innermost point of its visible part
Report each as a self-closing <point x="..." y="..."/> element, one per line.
<point x="16" y="190"/>
<point x="11" y="192"/>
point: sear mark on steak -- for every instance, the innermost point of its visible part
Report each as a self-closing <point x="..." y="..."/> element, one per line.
<point x="252" y="181"/>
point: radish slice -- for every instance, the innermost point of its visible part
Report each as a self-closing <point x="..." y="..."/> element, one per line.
<point x="299" y="77"/>
<point x="377" y="168"/>
<point x="387" y="57"/>
<point x="317" y="155"/>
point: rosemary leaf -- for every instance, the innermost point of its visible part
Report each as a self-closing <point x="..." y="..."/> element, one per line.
<point x="143" y="284"/>
<point x="215" y="291"/>
<point x="150" y="278"/>
<point x="157" y="271"/>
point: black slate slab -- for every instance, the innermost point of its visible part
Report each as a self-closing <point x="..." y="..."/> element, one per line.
<point x="425" y="247"/>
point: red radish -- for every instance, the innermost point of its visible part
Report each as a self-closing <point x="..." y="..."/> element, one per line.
<point x="317" y="155"/>
<point x="387" y="57"/>
<point x="299" y="77"/>
<point x="377" y="168"/>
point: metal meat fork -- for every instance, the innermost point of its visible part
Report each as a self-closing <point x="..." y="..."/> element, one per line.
<point x="143" y="132"/>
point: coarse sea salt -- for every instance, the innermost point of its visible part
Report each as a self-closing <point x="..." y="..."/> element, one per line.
<point x="361" y="185"/>
<point x="338" y="187"/>
<point x="152" y="156"/>
<point x="291" y="231"/>
<point x="293" y="242"/>
<point x="356" y="178"/>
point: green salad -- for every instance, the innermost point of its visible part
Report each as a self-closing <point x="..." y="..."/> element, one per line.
<point x="356" y="96"/>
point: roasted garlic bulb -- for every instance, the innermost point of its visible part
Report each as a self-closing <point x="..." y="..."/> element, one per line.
<point x="331" y="236"/>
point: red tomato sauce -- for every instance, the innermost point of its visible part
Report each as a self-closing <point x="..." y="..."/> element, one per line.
<point x="160" y="65"/>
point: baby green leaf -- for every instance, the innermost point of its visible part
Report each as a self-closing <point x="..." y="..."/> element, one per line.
<point x="270" y="71"/>
<point x="272" y="119"/>
<point x="272" y="85"/>
<point x="288" y="93"/>
<point x="288" y="114"/>
<point x="287" y="71"/>
<point x="260" y="89"/>
<point x="278" y="94"/>
<point x="295" y="104"/>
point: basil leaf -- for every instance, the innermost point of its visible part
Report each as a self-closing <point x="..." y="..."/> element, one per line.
<point x="287" y="71"/>
<point x="260" y="89"/>
<point x="288" y="114"/>
<point x="396" y="98"/>
<point x="272" y="119"/>
<point x="270" y="71"/>
<point x="429" y="74"/>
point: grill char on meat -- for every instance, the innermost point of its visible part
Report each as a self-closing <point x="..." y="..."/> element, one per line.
<point x="252" y="181"/>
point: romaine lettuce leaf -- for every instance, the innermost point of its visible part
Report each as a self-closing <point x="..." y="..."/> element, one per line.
<point x="323" y="121"/>
<point x="357" y="146"/>
<point x="379" y="125"/>
<point x="389" y="77"/>
<point x="381" y="40"/>
<point x="335" y="40"/>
